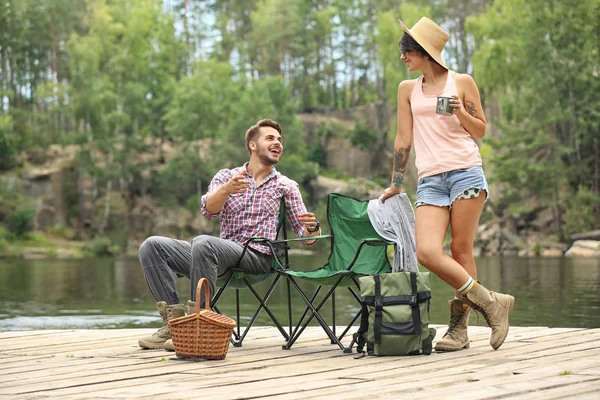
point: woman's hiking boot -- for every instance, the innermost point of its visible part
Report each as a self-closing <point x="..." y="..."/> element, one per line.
<point x="456" y="337"/>
<point x="158" y="339"/>
<point x="191" y="309"/>
<point x="495" y="308"/>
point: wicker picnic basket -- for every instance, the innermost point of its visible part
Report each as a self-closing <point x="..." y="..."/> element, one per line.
<point x="205" y="334"/>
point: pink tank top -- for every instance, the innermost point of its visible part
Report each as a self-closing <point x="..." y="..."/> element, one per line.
<point x="441" y="143"/>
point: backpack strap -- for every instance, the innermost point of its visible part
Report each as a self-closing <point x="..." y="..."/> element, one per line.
<point x="414" y="303"/>
<point x="378" y="304"/>
<point x="397" y="300"/>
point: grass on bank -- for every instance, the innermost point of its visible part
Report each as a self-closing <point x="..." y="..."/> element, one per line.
<point x="47" y="245"/>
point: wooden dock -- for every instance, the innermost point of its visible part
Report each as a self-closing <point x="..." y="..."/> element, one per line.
<point x="533" y="363"/>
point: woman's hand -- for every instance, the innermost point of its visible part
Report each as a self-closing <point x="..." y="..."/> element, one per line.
<point x="457" y="105"/>
<point x="389" y="192"/>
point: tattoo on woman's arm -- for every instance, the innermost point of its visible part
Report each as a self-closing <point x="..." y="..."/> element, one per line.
<point x="398" y="180"/>
<point x="400" y="162"/>
<point x="471" y="109"/>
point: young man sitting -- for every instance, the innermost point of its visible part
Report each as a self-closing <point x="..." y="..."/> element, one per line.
<point x="247" y="199"/>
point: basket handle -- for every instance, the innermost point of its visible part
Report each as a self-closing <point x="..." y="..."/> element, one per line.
<point x="203" y="282"/>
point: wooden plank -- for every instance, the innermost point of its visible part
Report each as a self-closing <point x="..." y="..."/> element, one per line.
<point x="500" y="383"/>
<point x="578" y="390"/>
<point x="7" y="335"/>
<point x="179" y="381"/>
<point x="66" y="342"/>
<point x="108" y="364"/>
<point x="497" y="372"/>
<point x="304" y="395"/>
<point x="68" y="379"/>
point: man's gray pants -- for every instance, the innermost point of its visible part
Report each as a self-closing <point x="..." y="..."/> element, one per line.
<point x="205" y="257"/>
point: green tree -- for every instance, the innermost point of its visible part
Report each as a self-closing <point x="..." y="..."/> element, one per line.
<point x="540" y="59"/>
<point x="202" y="104"/>
<point x="9" y="145"/>
<point x="123" y="75"/>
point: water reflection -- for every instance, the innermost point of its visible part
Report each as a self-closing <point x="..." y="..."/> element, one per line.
<point x="109" y="293"/>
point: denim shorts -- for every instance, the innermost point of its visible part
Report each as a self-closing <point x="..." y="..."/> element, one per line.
<point x="444" y="189"/>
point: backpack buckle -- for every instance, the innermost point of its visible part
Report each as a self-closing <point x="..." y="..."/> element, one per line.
<point x="412" y="301"/>
<point x="378" y="301"/>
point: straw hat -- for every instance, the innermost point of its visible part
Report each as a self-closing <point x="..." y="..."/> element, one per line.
<point x="430" y="36"/>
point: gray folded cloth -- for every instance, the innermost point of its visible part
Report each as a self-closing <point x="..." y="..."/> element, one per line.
<point x="394" y="220"/>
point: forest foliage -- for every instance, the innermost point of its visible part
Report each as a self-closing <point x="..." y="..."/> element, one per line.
<point x="114" y="77"/>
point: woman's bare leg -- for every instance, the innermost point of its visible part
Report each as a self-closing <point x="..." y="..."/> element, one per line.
<point x="431" y="226"/>
<point x="464" y="218"/>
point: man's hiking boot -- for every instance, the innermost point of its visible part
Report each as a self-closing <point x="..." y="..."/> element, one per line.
<point x="191" y="309"/>
<point x="169" y="346"/>
<point x="456" y="337"/>
<point x="495" y="308"/>
<point x="158" y="339"/>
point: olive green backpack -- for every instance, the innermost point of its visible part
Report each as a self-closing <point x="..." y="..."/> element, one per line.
<point x="395" y="315"/>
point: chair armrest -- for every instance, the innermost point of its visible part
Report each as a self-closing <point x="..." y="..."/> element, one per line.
<point x="377" y="242"/>
<point x="266" y="242"/>
<point x="270" y="243"/>
<point x="257" y="239"/>
<point x="370" y="242"/>
<point x="302" y="239"/>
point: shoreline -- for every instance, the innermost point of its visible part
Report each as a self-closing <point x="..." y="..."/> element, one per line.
<point x="76" y="250"/>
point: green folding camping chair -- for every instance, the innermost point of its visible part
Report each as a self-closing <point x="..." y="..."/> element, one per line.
<point x="238" y="279"/>
<point x="356" y="250"/>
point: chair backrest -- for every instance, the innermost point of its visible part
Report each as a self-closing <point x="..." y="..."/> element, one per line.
<point x="350" y="224"/>
<point x="282" y="235"/>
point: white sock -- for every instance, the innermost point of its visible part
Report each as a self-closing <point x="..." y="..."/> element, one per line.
<point x="464" y="289"/>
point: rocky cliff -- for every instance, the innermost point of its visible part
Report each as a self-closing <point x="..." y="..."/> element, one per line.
<point x="62" y="194"/>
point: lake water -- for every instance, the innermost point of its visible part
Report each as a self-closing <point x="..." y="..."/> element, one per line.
<point x="112" y="293"/>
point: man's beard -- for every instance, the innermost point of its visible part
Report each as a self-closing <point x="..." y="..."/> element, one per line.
<point x="264" y="158"/>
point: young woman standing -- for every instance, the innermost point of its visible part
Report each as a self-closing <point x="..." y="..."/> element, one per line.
<point x="441" y="113"/>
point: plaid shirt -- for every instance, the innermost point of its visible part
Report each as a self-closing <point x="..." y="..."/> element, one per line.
<point x="256" y="211"/>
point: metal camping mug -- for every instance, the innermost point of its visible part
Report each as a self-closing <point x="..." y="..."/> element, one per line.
<point x="444" y="106"/>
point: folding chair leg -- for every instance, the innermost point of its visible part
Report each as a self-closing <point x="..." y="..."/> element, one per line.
<point x="263" y="304"/>
<point x="332" y="337"/>
<point x="299" y="326"/>
<point x="217" y="295"/>
<point x="289" y="292"/>
<point x="238" y="341"/>
<point x="357" y="298"/>
<point x="349" y="326"/>
<point x="306" y="310"/>
<point x="299" y="329"/>
<point x="333" y="315"/>
<point x="235" y="335"/>
<point x="315" y="314"/>
<point x="213" y="305"/>
<point x="358" y="314"/>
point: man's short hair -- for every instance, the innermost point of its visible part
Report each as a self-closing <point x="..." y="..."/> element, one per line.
<point x="254" y="131"/>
